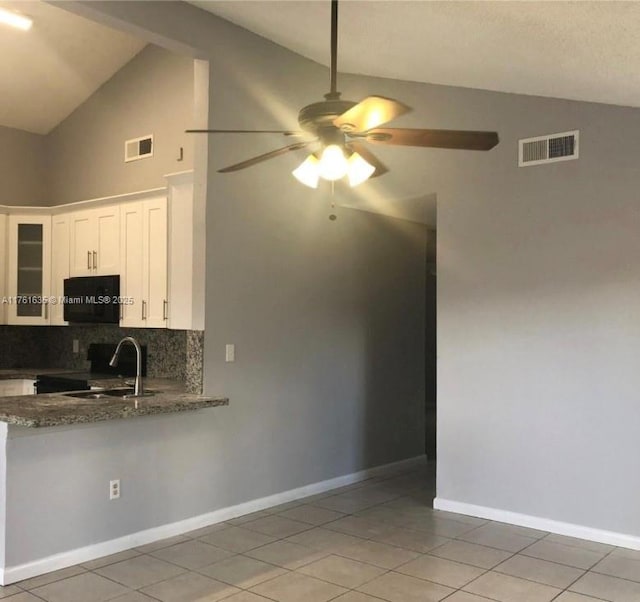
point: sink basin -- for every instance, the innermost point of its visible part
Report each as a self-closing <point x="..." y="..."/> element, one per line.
<point x="87" y="395"/>
<point x="123" y="392"/>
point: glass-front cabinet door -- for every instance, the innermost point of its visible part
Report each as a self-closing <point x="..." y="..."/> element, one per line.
<point x="29" y="269"/>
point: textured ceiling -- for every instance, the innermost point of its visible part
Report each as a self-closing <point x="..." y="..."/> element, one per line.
<point x="50" y="70"/>
<point x="577" y="50"/>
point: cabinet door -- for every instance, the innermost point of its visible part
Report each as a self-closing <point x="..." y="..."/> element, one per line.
<point x="95" y="241"/>
<point x="29" y="269"/>
<point x="60" y="260"/>
<point x="155" y="262"/>
<point x="131" y="274"/>
<point x="143" y="251"/>
<point x="16" y="386"/>
<point x="28" y="387"/>
<point x="106" y="244"/>
<point x="10" y="387"/>
<point x="82" y="239"/>
<point x="3" y="265"/>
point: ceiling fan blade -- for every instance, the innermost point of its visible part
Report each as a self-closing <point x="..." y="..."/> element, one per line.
<point x="455" y="139"/>
<point x="370" y="113"/>
<point x="284" y="132"/>
<point x="369" y="157"/>
<point x="261" y="158"/>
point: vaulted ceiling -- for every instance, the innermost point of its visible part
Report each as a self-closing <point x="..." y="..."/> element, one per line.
<point x="50" y="70"/>
<point x="577" y="50"/>
<point x="585" y="51"/>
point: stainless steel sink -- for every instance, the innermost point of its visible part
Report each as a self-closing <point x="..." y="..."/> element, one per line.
<point x="87" y="395"/>
<point x="122" y="392"/>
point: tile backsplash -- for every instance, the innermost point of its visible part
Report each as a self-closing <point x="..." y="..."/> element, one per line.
<point x="173" y="354"/>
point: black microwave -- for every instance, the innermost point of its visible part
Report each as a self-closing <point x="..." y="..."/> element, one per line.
<point x="92" y="299"/>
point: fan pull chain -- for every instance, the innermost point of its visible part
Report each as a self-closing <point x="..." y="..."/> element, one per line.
<point x="332" y="216"/>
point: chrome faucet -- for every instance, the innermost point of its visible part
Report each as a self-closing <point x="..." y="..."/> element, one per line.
<point x="138" y="387"/>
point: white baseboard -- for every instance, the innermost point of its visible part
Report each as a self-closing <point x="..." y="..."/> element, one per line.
<point x="542" y="524"/>
<point x="62" y="560"/>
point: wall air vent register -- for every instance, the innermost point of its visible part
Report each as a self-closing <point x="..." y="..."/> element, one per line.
<point x="548" y="149"/>
<point x="138" y="148"/>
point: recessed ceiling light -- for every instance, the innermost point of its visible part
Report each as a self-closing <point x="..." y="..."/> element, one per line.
<point x="15" y="19"/>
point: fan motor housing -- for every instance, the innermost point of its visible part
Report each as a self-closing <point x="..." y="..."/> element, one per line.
<point x="320" y="115"/>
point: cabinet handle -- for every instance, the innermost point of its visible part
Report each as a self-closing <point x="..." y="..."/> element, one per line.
<point x="88" y="260"/>
<point x="165" y="309"/>
<point x="144" y="310"/>
<point x="46" y="311"/>
<point x="95" y="260"/>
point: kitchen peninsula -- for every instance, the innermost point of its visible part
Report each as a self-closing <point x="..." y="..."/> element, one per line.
<point x="55" y="506"/>
<point x="55" y="409"/>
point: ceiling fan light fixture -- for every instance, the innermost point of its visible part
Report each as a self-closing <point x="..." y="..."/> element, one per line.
<point x="341" y="127"/>
<point x="333" y="163"/>
<point x="308" y="172"/>
<point x="359" y="170"/>
<point x="16" y="20"/>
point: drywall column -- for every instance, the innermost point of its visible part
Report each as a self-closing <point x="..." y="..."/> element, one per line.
<point x="4" y="428"/>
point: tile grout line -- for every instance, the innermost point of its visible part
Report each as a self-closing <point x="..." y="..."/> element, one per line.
<point x="589" y="570"/>
<point x="356" y="513"/>
<point x="85" y="570"/>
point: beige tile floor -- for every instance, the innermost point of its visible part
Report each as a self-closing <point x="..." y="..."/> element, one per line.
<point x="376" y="540"/>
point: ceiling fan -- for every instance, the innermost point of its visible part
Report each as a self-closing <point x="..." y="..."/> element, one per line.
<point x="339" y="128"/>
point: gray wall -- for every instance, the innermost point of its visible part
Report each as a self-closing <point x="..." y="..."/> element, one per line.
<point x="431" y="348"/>
<point x="539" y="340"/>
<point x="83" y="157"/>
<point x="537" y="287"/>
<point x="152" y="94"/>
<point x="23" y="168"/>
<point x="538" y="283"/>
<point x="327" y="318"/>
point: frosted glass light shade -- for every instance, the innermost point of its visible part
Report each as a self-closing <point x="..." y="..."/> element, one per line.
<point x="358" y="170"/>
<point x="333" y="164"/>
<point x="308" y="172"/>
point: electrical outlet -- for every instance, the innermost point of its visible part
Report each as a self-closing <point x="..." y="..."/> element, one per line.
<point x="114" y="489"/>
<point x="230" y="353"/>
<point x="76" y="346"/>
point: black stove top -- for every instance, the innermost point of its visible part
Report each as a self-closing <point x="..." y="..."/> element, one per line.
<point x="68" y="381"/>
<point x="99" y="354"/>
<point x="84" y="376"/>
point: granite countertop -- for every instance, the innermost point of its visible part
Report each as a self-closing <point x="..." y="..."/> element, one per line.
<point x="55" y="409"/>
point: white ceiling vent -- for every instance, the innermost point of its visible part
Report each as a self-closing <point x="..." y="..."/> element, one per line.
<point x="138" y="148"/>
<point x="548" y="149"/>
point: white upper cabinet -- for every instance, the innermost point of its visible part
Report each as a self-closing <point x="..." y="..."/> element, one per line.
<point x="95" y="241"/>
<point x="143" y="277"/>
<point x="154" y="262"/>
<point x="17" y="386"/>
<point x="29" y="276"/>
<point x="81" y="243"/>
<point x="153" y="239"/>
<point x="131" y="277"/>
<point x="60" y="261"/>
